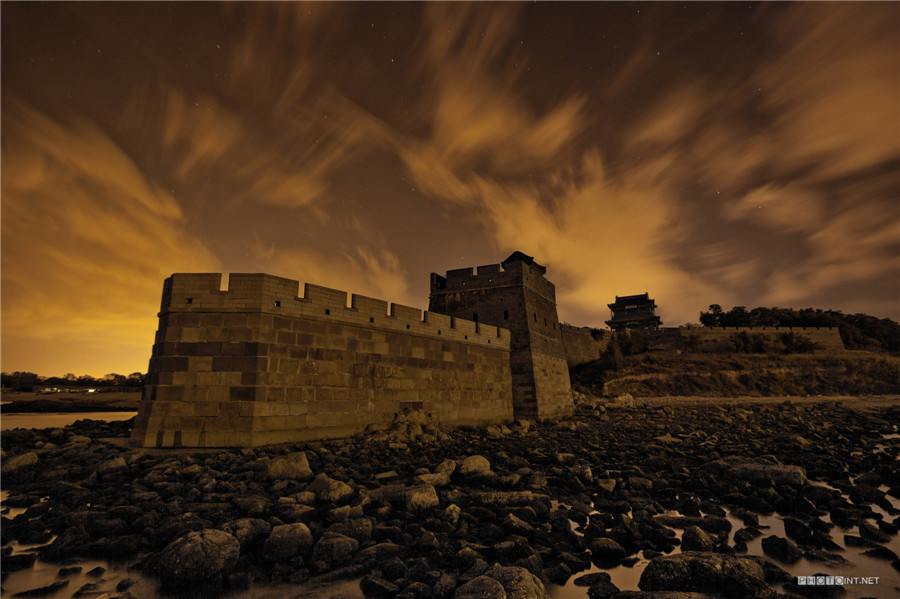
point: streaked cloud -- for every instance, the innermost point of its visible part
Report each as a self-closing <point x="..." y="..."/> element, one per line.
<point x="86" y="240"/>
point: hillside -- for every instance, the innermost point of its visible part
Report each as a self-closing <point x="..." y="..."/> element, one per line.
<point x="652" y="374"/>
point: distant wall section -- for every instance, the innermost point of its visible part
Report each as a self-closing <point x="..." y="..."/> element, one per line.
<point x="583" y="344"/>
<point x="257" y="364"/>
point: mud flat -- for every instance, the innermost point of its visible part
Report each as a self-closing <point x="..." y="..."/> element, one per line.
<point x="628" y="499"/>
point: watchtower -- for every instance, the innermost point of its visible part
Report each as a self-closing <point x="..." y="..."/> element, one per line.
<point x="515" y="295"/>
<point x="633" y="312"/>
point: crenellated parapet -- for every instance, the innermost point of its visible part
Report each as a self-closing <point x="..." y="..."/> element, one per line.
<point x="268" y="294"/>
<point x="257" y="363"/>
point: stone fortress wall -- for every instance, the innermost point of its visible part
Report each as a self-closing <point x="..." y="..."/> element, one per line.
<point x="584" y="344"/>
<point x="515" y="295"/>
<point x="257" y="364"/>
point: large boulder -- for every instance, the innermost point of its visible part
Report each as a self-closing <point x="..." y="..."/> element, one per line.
<point x="250" y="532"/>
<point x="328" y="490"/>
<point x="333" y="550"/>
<point x="19" y="463"/>
<point x="784" y="550"/>
<point x="606" y="553"/>
<point x="481" y="587"/>
<point x="729" y="576"/>
<point x="420" y="498"/>
<point x="199" y="557"/>
<point x="290" y="467"/>
<point x="474" y="465"/>
<point x="696" y="539"/>
<point x="518" y="582"/>
<point x="287" y="541"/>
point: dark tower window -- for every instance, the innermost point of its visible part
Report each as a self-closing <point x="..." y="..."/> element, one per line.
<point x="506" y="315"/>
<point x="545" y="322"/>
<point x="475" y="316"/>
<point x="535" y="316"/>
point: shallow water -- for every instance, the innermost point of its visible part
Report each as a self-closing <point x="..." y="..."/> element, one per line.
<point x="625" y="578"/>
<point x="861" y="566"/>
<point x="57" y="419"/>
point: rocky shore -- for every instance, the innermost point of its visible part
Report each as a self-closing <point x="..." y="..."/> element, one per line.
<point x="416" y="511"/>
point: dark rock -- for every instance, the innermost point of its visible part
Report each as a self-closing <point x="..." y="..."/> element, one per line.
<point x="250" y="532"/>
<point x="592" y="579"/>
<point x="474" y="465"/>
<point x="329" y="490"/>
<point x="294" y="466"/>
<point x="201" y="557"/>
<point x="696" y="539"/>
<point x="44" y="590"/>
<point x="20" y="463"/>
<point x="96" y="572"/>
<point x="854" y="541"/>
<point x="481" y="587"/>
<point x="602" y="589"/>
<point x="607" y="553"/>
<point x="287" y="541"/>
<point x="729" y="575"/>
<point x="377" y="588"/>
<point x="872" y="533"/>
<point x="881" y="552"/>
<point x="784" y="550"/>
<point x="333" y="550"/>
<point x="519" y="583"/>
<point x="90" y="588"/>
<point x="18" y="561"/>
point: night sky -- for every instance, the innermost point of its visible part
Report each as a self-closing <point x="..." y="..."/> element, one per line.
<point x="735" y="153"/>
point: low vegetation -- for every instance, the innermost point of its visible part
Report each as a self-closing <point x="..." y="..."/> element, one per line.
<point x="743" y="365"/>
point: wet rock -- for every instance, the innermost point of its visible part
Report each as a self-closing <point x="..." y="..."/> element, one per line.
<point x="696" y="539"/>
<point x="602" y="589"/>
<point x="112" y="466"/>
<point x="420" y="498"/>
<point x="474" y="465"/>
<point x="19" y="463"/>
<point x="44" y="591"/>
<point x="377" y="588"/>
<point x="329" y="490"/>
<point x="729" y="575"/>
<point x="355" y="528"/>
<point x="287" y="541"/>
<point x="378" y="552"/>
<point x="90" y="588"/>
<point x="18" y="561"/>
<point x="200" y="557"/>
<point x="333" y="550"/>
<point x="763" y="474"/>
<point x="872" y="533"/>
<point x="519" y="583"/>
<point x="607" y="553"/>
<point x="883" y="553"/>
<point x="250" y="532"/>
<point x="294" y="466"/>
<point x="481" y="587"/>
<point x="784" y="550"/>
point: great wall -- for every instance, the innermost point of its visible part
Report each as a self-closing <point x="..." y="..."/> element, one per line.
<point x="259" y="364"/>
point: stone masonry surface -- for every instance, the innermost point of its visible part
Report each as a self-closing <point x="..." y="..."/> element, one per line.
<point x="257" y="364"/>
<point x="516" y="296"/>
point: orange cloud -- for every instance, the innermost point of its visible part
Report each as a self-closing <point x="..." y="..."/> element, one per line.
<point x="87" y="240"/>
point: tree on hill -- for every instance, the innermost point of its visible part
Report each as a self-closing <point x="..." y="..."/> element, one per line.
<point x="858" y="331"/>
